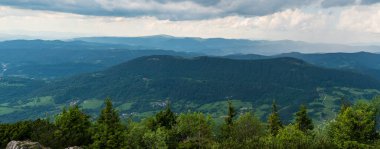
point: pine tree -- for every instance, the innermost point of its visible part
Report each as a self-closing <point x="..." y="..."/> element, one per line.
<point x="274" y="120"/>
<point x="303" y="121"/>
<point x="165" y="118"/>
<point x="226" y="129"/>
<point x="108" y="131"/>
<point x="231" y="113"/>
<point x="73" y="127"/>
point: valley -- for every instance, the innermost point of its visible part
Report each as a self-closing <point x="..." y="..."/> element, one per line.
<point x="44" y="82"/>
<point x="140" y="87"/>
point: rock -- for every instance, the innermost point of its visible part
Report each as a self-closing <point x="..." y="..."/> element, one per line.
<point x="74" y="147"/>
<point x="24" y="145"/>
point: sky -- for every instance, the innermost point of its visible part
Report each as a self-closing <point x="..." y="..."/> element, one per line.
<point x="317" y="21"/>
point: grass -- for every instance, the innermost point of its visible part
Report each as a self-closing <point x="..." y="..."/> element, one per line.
<point x="39" y="101"/>
<point x="219" y="109"/>
<point x="262" y="110"/>
<point x="92" y="104"/>
<point x="328" y="102"/>
<point x="7" y="110"/>
<point x="125" y="106"/>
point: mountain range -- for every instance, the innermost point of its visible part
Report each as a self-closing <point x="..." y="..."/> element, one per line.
<point x="141" y="74"/>
<point x="51" y="59"/>
<point x="221" y="46"/>
<point x="136" y="86"/>
<point x="361" y="62"/>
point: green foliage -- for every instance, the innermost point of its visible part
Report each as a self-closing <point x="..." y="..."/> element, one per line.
<point x="354" y="126"/>
<point x="247" y="127"/>
<point x="17" y="131"/>
<point x="292" y="137"/>
<point x="226" y="128"/>
<point x="274" y="121"/>
<point x="303" y="121"/>
<point x="231" y="113"/>
<point x="245" y="133"/>
<point x="108" y="131"/>
<point x="43" y="132"/>
<point x="165" y="118"/>
<point x="156" y="139"/>
<point x="73" y="127"/>
<point x="194" y="130"/>
<point x="134" y="135"/>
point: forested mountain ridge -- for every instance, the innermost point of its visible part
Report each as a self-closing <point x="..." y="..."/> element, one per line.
<point x="142" y="85"/>
<point x="206" y="78"/>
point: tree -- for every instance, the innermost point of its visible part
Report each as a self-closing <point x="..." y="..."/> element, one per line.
<point x="108" y="130"/>
<point x="303" y="121"/>
<point x="226" y="128"/>
<point x="354" y="126"/>
<point x="165" y="118"/>
<point x="246" y="132"/>
<point x="274" y="120"/>
<point x="246" y="127"/>
<point x="42" y="133"/>
<point x="17" y="131"/>
<point x="292" y="137"/>
<point x="73" y="127"/>
<point x="156" y="139"/>
<point x="231" y="114"/>
<point x="194" y="130"/>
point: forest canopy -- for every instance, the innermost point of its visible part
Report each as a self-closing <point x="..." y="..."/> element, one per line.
<point x="355" y="126"/>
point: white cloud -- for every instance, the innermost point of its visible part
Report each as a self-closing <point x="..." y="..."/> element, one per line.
<point x="343" y="25"/>
<point x="361" y="19"/>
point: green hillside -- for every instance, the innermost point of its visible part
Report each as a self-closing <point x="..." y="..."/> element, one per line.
<point x="142" y="86"/>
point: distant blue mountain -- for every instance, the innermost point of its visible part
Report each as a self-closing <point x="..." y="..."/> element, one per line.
<point x="50" y="59"/>
<point x="221" y="46"/>
<point x="363" y="62"/>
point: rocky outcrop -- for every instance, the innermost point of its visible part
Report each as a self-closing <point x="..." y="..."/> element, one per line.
<point x="24" y="145"/>
<point x="74" y="147"/>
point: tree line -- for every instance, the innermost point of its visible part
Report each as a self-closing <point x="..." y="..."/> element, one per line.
<point x="355" y="126"/>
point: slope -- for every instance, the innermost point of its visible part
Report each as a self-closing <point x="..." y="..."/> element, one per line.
<point x="146" y="82"/>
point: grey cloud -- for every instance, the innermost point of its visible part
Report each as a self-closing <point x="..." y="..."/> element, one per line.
<point x="333" y="3"/>
<point x="173" y="9"/>
<point x="369" y="2"/>
<point x="338" y="3"/>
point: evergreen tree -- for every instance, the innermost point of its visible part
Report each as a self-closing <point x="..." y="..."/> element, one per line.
<point x="42" y="133"/>
<point x="72" y="125"/>
<point x="274" y="120"/>
<point x="165" y="118"/>
<point x="231" y="113"/>
<point x="303" y="121"/>
<point x="108" y="130"/>
<point x="226" y="128"/>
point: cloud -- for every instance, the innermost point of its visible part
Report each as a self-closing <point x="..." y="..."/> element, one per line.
<point x="334" y="25"/>
<point x="177" y="9"/>
<point x="361" y="19"/>
<point x="338" y="3"/>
